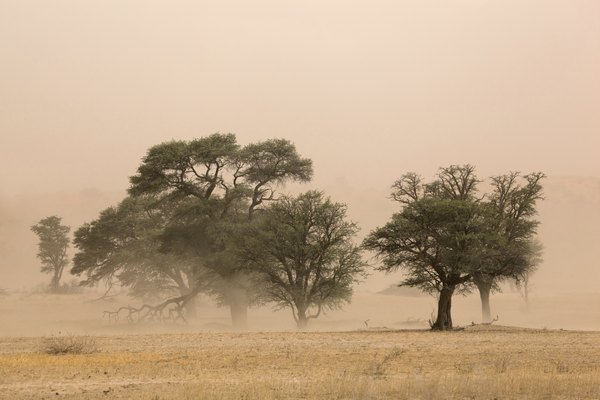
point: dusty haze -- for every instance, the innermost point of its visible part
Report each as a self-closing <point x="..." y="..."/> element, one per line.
<point x="368" y="90"/>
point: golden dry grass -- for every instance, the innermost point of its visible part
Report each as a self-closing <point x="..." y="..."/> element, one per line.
<point x="478" y="363"/>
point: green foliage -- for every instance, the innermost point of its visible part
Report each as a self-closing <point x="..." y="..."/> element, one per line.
<point x="123" y="244"/>
<point x="216" y="170"/>
<point x="436" y="241"/>
<point x="436" y="237"/>
<point x="301" y="250"/>
<point x="52" y="247"/>
<point x="224" y="186"/>
<point x="190" y="168"/>
<point x="186" y="201"/>
<point x="510" y="213"/>
<point x="447" y="236"/>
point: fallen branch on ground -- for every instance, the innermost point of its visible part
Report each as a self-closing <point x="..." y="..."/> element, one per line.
<point x="161" y="312"/>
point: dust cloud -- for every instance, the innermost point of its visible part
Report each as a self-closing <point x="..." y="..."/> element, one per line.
<point x="563" y="294"/>
<point x="366" y="91"/>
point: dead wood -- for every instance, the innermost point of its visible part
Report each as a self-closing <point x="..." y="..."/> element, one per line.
<point x="172" y="309"/>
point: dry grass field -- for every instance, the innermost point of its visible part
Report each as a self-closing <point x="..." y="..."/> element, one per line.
<point x="491" y="362"/>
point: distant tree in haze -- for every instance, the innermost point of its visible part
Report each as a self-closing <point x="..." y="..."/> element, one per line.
<point x="436" y="237"/>
<point x="301" y="251"/>
<point x="52" y="248"/>
<point x="513" y="252"/>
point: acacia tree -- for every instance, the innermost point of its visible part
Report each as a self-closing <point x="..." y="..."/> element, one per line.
<point x="302" y="254"/>
<point x="447" y="236"/>
<point x="436" y="237"/>
<point x="513" y="253"/>
<point x="224" y="184"/>
<point x="123" y="245"/>
<point x="52" y="248"/>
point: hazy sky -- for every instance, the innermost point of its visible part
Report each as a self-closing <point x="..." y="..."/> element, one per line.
<point x="367" y="89"/>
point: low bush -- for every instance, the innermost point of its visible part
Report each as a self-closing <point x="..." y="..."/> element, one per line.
<point x="68" y="344"/>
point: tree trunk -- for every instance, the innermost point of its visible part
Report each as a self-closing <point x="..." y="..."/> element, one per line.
<point x="190" y="304"/>
<point x="191" y="309"/>
<point x="54" y="284"/>
<point x="525" y="291"/>
<point x="238" y="305"/>
<point x="484" y="293"/>
<point x="443" y="321"/>
<point x="302" y="321"/>
<point x="239" y="316"/>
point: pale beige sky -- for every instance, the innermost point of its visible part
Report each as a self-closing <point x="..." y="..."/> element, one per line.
<point x="367" y="89"/>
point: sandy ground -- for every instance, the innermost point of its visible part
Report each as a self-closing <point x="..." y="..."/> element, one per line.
<point x="480" y="362"/>
<point x="339" y="357"/>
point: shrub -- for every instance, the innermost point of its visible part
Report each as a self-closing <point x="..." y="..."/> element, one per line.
<point x="68" y="344"/>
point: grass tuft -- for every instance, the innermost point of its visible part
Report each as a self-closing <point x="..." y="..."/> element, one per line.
<point x="68" y="344"/>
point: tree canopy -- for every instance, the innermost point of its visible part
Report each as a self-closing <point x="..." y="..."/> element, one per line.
<point x="448" y="236"/>
<point x="512" y="251"/>
<point x="52" y="247"/>
<point x="124" y="245"/>
<point x="186" y="200"/>
<point x="301" y="250"/>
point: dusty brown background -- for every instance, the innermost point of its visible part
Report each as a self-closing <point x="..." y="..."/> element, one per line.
<point x="368" y="90"/>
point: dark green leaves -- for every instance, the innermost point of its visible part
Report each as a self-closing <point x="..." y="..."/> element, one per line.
<point x="302" y="249"/>
<point x="52" y="246"/>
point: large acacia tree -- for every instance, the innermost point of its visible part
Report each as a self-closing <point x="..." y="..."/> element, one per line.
<point x="52" y="248"/>
<point x="436" y="237"/>
<point x="300" y="250"/>
<point x="448" y="237"/>
<point x="222" y="184"/>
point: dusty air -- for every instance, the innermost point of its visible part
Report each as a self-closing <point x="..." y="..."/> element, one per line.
<point x="321" y="200"/>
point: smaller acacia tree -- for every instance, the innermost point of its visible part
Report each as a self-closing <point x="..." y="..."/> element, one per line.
<point x="514" y="253"/>
<point x="300" y="250"/>
<point x="52" y="248"/>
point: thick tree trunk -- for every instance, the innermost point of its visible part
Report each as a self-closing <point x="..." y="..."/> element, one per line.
<point x="54" y="284"/>
<point x="191" y="309"/>
<point x="238" y="305"/>
<point x="302" y="321"/>
<point x="239" y="316"/>
<point x="484" y="293"/>
<point x="443" y="321"/>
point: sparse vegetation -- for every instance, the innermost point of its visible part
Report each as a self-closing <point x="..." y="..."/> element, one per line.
<point x="68" y="343"/>
<point x="477" y="363"/>
<point x="379" y="367"/>
<point x="501" y="364"/>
